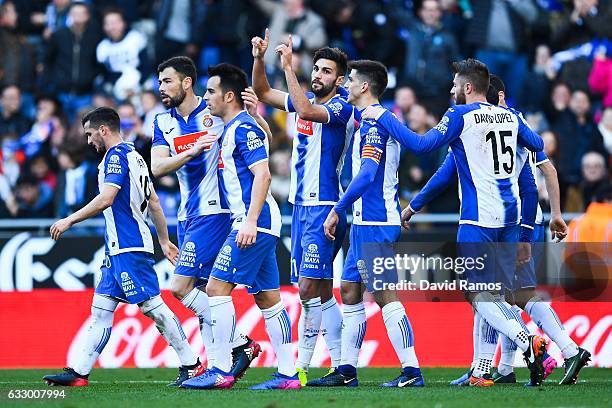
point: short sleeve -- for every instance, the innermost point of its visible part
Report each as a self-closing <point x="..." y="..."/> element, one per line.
<point x="115" y="167"/>
<point x="340" y="111"/>
<point x="250" y="141"/>
<point x="540" y="157"/>
<point x="289" y="104"/>
<point x="158" y="135"/>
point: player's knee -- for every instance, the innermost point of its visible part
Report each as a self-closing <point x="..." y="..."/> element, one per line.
<point x="309" y="289"/>
<point x="180" y="287"/>
<point x="103" y="310"/>
<point x="350" y="295"/>
<point x="267" y="299"/>
<point x="326" y="290"/>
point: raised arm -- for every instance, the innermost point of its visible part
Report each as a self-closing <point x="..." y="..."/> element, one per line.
<point x="251" y="104"/>
<point x="261" y="86"/>
<point x="301" y="104"/>
<point x="528" y="138"/>
<point x="448" y="129"/>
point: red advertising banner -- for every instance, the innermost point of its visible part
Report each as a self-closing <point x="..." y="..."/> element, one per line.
<point x="45" y="328"/>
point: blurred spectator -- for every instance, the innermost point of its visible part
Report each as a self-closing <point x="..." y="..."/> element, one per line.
<point x="31" y="17"/>
<point x="150" y="107"/>
<point x="550" y="145"/>
<point x="605" y="130"/>
<point x="11" y="158"/>
<point x="17" y="57"/>
<point x="430" y="50"/>
<point x="34" y="199"/>
<point x="292" y="17"/>
<point x="76" y="180"/>
<point x="600" y="79"/>
<point x="70" y="61"/>
<point x="584" y="23"/>
<point x="56" y="16"/>
<point x="574" y="125"/>
<point x="281" y="181"/>
<point x="39" y="166"/>
<point x="123" y="54"/>
<point x="498" y="31"/>
<point x="131" y="129"/>
<point x="12" y="121"/>
<point x="47" y="108"/>
<point x="179" y="28"/>
<point x="455" y="15"/>
<point x="404" y="100"/>
<point x="539" y="79"/>
<point x="594" y="174"/>
<point x="8" y="204"/>
<point x="101" y="99"/>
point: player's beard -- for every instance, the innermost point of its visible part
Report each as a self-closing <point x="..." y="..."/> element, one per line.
<point x="323" y="91"/>
<point x="176" y="101"/>
<point x="460" y="98"/>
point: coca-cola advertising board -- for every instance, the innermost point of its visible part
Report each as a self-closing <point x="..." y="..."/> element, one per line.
<point x="45" y="328"/>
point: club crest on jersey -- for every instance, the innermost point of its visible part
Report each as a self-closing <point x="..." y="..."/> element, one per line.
<point x="185" y="142"/>
<point x="207" y="121"/>
<point x="304" y="127"/>
<point x="113" y="165"/>
<point x="253" y="141"/>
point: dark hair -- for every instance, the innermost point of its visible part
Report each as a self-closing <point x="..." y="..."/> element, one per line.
<point x="332" y="54"/>
<point x="474" y="72"/>
<point x="603" y="193"/>
<point x="112" y="10"/>
<point x="102" y="116"/>
<point x="231" y="78"/>
<point x="495" y="86"/>
<point x="75" y="151"/>
<point x="374" y="73"/>
<point x="183" y="65"/>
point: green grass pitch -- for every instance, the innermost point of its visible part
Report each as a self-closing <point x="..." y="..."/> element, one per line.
<point x="133" y="388"/>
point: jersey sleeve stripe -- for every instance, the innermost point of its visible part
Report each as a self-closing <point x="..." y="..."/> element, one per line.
<point x="257" y="162"/>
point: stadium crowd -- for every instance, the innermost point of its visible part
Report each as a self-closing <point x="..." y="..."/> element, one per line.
<point x="61" y="58"/>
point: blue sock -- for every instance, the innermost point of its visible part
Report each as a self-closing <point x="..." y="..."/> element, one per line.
<point x="411" y="371"/>
<point x="347" y="370"/>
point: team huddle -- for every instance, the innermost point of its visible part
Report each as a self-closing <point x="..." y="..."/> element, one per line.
<point x="229" y="224"/>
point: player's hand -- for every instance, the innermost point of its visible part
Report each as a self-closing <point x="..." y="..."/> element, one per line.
<point x="406" y="216"/>
<point x="260" y="45"/>
<point x="170" y="251"/>
<point x="372" y="112"/>
<point x="329" y="226"/>
<point x="203" y="143"/>
<point x="250" y="101"/>
<point x="523" y="254"/>
<point x="286" y="53"/>
<point x="247" y="235"/>
<point x="558" y="228"/>
<point x="59" y="228"/>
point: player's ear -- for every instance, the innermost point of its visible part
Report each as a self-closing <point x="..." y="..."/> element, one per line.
<point x="340" y="80"/>
<point x="229" y="96"/>
<point x="187" y="82"/>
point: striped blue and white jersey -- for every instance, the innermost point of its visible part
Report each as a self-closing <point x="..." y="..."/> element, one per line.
<point x="379" y="205"/>
<point x="126" y="228"/>
<point x="533" y="160"/>
<point x="318" y="153"/>
<point x="243" y="145"/>
<point x="199" y="182"/>
<point x="483" y="139"/>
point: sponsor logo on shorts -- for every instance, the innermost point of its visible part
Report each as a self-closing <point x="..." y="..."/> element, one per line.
<point x="188" y="256"/>
<point x="312" y="258"/>
<point x="224" y="259"/>
<point x="363" y="272"/>
<point x="127" y="285"/>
